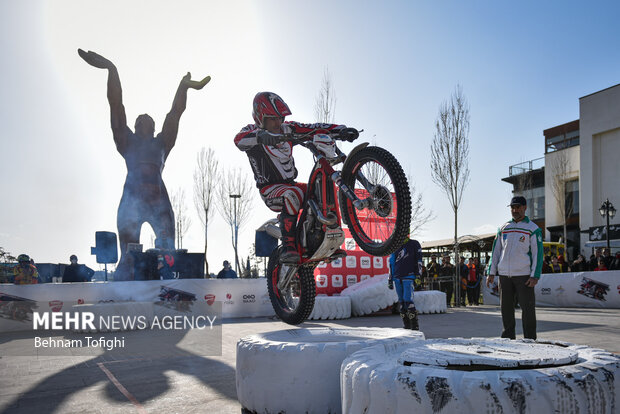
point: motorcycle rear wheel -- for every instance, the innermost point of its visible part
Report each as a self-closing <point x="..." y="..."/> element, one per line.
<point x="383" y="227"/>
<point x="294" y="304"/>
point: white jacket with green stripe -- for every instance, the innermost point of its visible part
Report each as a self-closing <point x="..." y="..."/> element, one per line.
<point x="517" y="250"/>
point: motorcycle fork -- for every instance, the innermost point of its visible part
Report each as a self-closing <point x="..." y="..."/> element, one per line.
<point x="336" y="177"/>
<point x="285" y="275"/>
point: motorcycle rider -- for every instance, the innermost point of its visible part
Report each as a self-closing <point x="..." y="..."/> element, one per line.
<point x="405" y="268"/>
<point x="273" y="165"/>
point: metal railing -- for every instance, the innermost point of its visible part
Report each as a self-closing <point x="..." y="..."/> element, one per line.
<point x="526" y="166"/>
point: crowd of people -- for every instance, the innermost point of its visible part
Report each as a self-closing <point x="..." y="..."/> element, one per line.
<point x="25" y="272"/>
<point x="600" y="260"/>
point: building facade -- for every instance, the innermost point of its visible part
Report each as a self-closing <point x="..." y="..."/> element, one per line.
<point x="579" y="171"/>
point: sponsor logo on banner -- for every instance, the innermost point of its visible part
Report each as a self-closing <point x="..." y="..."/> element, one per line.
<point x="210" y="298"/>
<point x="249" y="298"/>
<point x="351" y="262"/>
<point x="321" y="281"/>
<point x="16" y="307"/>
<point x="618" y="289"/>
<point x="593" y="289"/>
<point x="337" y="262"/>
<point x="337" y="281"/>
<point x="377" y="262"/>
<point x="364" y="277"/>
<point x="55" y="305"/>
<point x="229" y="300"/>
<point x="365" y="262"/>
<point x="351" y="280"/>
<point x="322" y="265"/>
<point x="349" y="244"/>
<point x="175" y="299"/>
<point x="80" y="301"/>
<point x="560" y="290"/>
<point x="545" y="291"/>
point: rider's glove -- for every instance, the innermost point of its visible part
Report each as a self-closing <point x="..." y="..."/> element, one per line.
<point x="390" y="284"/>
<point x="349" y="134"/>
<point x="266" y="138"/>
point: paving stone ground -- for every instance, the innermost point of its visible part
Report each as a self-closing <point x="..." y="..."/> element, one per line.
<point x="181" y="381"/>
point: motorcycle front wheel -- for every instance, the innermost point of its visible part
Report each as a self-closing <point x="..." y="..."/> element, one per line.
<point x="377" y="177"/>
<point x="293" y="304"/>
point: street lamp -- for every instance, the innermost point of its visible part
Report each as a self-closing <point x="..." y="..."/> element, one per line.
<point x="607" y="210"/>
<point x="236" y="234"/>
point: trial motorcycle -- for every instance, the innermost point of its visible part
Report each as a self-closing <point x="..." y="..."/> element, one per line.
<point x="370" y="194"/>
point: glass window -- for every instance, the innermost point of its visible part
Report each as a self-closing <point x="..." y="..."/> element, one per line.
<point x="571" y="189"/>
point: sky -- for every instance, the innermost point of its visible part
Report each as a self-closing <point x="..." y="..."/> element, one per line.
<point x="522" y="66"/>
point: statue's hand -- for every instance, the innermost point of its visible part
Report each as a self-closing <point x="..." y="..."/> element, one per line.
<point x="95" y="59"/>
<point x="189" y="83"/>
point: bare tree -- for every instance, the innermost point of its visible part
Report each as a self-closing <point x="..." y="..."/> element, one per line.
<point x="450" y="150"/>
<point x="450" y="158"/>
<point x="182" y="220"/>
<point x="419" y="214"/>
<point x="325" y="104"/>
<point x="206" y="177"/>
<point x="234" y="195"/>
<point x="560" y="169"/>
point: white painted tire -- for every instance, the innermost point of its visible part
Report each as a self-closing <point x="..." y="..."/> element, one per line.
<point x="370" y="295"/>
<point x="430" y="301"/>
<point x="437" y="376"/>
<point x="298" y="370"/>
<point x="107" y="310"/>
<point x="331" y="307"/>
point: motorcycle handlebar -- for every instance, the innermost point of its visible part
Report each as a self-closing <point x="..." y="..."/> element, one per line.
<point x="300" y="138"/>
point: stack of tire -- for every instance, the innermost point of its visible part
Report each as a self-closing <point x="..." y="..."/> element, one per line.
<point x="370" y="295"/>
<point x="481" y="375"/>
<point x="331" y="307"/>
<point x="298" y="370"/>
<point x="430" y="301"/>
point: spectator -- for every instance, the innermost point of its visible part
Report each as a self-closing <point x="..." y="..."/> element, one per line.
<point x="601" y="265"/>
<point x="556" y="266"/>
<point x="473" y="281"/>
<point x="448" y="271"/>
<point x="607" y="258"/>
<point x="434" y="270"/>
<point x="25" y="273"/>
<point x="517" y="260"/>
<point x="594" y="259"/>
<point x="615" y="265"/>
<point x="164" y="265"/>
<point x="579" y="264"/>
<point x="546" y="265"/>
<point x="227" y="272"/>
<point x="463" y="272"/>
<point x="76" y="272"/>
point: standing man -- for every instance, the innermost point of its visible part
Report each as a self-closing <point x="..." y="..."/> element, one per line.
<point x="227" y="272"/>
<point x="405" y="267"/>
<point x="76" y="272"/>
<point x="144" y="199"/>
<point x="517" y="257"/>
<point x="448" y="271"/>
<point x="433" y="272"/>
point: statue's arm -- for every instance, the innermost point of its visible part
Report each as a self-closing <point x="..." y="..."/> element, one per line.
<point x="170" y="128"/>
<point x="118" y="118"/>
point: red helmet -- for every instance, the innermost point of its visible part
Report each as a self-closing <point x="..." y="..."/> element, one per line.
<point x="268" y="104"/>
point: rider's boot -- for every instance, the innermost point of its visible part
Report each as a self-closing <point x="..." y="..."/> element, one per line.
<point x="287" y="227"/>
<point x="412" y="315"/>
<point x="404" y="316"/>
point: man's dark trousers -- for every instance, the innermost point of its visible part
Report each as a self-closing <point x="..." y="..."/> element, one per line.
<point x="511" y="288"/>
